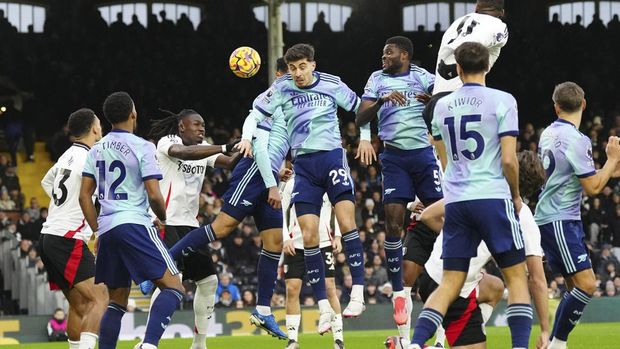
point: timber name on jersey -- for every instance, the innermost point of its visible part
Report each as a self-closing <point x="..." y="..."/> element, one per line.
<point x="474" y="27"/>
<point x="120" y="163"/>
<point x="291" y="230"/>
<point x="62" y="184"/>
<point x="182" y="182"/>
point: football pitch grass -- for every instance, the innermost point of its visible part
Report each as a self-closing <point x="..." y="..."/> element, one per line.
<point x="599" y="336"/>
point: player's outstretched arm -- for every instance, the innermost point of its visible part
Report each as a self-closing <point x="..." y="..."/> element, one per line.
<point x="367" y="111"/>
<point x="197" y="152"/>
<point x="87" y="190"/>
<point x="510" y="167"/>
<point x="594" y="184"/>
<point x="156" y="200"/>
<point x="228" y="162"/>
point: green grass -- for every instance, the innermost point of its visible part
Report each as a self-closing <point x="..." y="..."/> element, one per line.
<point x="600" y="336"/>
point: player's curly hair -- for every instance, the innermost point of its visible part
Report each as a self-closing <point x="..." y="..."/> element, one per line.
<point x="80" y="122"/>
<point x="531" y="173"/>
<point x="168" y="125"/>
<point x="298" y="52"/>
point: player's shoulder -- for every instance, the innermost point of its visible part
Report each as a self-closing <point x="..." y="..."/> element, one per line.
<point x="487" y="19"/>
<point x="167" y="139"/>
<point x="418" y="70"/>
<point x="499" y="94"/>
<point x="329" y="78"/>
<point x="282" y="81"/>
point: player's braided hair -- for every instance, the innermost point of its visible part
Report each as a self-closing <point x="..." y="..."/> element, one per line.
<point x="168" y="125"/>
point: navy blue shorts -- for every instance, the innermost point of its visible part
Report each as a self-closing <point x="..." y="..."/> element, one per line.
<point x="565" y="247"/>
<point x="247" y="196"/>
<point x="410" y="173"/>
<point x="490" y="220"/>
<point x="319" y="173"/>
<point x="131" y="252"/>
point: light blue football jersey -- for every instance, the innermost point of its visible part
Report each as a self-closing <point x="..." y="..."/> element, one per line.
<point x="566" y="155"/>
<point x="310" y="112"/>
<point x="471" y="121"/>
<point x="401" y="126"/>
<point x="120" y="163"/>
<point x="270" y="144"/>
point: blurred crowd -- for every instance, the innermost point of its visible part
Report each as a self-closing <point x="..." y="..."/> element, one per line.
<point x="174" y="65"/>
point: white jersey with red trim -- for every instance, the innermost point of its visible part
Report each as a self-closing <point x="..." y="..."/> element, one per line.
<point x="62" y="184"/>
<point x="182" y="182"/>
<point x="291" y="230"/>
<point x="531" y="237"/>
<point x="474" y="27"/>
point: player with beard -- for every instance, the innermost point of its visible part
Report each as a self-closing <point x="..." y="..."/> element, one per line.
<point x="409" y="167"/>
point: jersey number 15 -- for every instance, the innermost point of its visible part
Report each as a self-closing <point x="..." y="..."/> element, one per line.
<point x="465" y="135"/>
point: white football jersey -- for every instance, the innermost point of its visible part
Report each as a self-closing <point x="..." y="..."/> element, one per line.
<point x="474" y="27"/>
<point x="182" y="182"/>
<point x="531" y="236"/>
<point x="62" y="184"/>
<point x="291" y="230"/>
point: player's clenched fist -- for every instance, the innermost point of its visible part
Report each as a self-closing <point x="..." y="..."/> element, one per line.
<point x="613" y="148"/>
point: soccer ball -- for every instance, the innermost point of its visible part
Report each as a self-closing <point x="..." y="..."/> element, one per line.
<point x="244" y="62"/>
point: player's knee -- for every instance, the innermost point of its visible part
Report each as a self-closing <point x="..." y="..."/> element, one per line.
<point x="587" y="285"/>
<point x="292" y="291"/>
<point x="311" y="238"/>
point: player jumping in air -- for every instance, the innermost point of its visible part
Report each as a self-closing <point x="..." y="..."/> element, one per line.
<point x="122" y="170"/>
<point x="566" y="154"/>
<point x="253" y="192"/>
<point x="69" y="263"/>
<point x="295" y="268"/>
<point x="478" y="126"/>
<point x="309" y="101"/>
<point x="408" y="162"/>
<point x="184" y="157"/>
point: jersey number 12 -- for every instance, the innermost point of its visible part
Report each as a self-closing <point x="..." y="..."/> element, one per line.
<point x="112" y="194"/>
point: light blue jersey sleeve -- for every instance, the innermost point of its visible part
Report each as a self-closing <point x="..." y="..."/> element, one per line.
<point x="427" y="79"/>
<point x="436" y="123"/>
<point x="149" y="166"/>
<point x="268" y="102"/>
<point x="370" y="90"/>
<point x="262" y="158"/>
<point x="346" y="98"/>
<point x="579" y="156"/>
<point x="508" y="118"/>
<point x="251" y="123"/>
<point x="89" y="166"/>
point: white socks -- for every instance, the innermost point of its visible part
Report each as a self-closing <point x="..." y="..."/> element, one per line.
<point x="557" y="344"/>
<point x="74" y="344"/>
<point x="357" y="293"/>
<point x="88" y="340"/>
<point x="405" y="330"/>
<point x="204" y="302"/>
<point x="263" y="310"/>
<point x="337" y="330"/>
<point x="292" y="326"/>
<point x="486" y="311"/>
<point x="324" y="306"/>
<point x="440" y="335"/>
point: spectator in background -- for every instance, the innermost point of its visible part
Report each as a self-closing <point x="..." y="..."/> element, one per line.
<point x="42" y="218"/>
<point x="225" y="300"/>
<point x="596" y="217"/>
<point x="610" y="289"/>
<point x="34" y="210"/>
<point x="18" y="199"/>
<point x="10" y="180"/>
<point x="61" y="141"/>
<point x="249" y="299"/>
<point x="227" y="286"/>
<point x="6" y="203"/>
<point x="615" y="232"/>
<point x="27" y="228"/>
<point x="4" y="163"/>
<point x="57" y="327"/>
